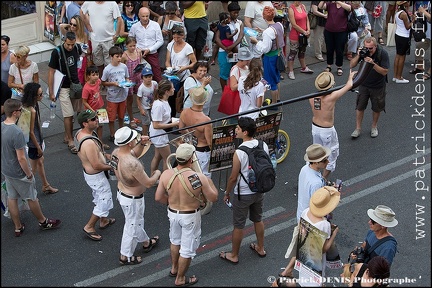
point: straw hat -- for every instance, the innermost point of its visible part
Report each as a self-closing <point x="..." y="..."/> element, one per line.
<point x="324" y="81"/>
<point x="324" y="201"/>
<point x="198" y="95"/>
<point x="383" y="215"/>
<point x="124" y="135"/>
<point x="316" y="153"/>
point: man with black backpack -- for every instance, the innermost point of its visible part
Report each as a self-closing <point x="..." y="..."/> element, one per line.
<point x="251" y="176"/>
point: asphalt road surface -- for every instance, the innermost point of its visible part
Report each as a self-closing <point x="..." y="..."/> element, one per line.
<point x="392" y="169"/>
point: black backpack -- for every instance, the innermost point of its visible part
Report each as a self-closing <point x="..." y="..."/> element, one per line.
<point x="261" y="164"/>
<point x="353" y="22"/>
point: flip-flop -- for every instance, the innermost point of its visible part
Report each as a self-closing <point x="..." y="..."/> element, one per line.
<point x="226" y="259"/>
<point x="151" y="244"/>
<point x="92" y="235"/>
<point x="172" y="274"/>
<point x="188" y="281"/>
<point x="111" y="221"/>
<point x="253" y="247"/>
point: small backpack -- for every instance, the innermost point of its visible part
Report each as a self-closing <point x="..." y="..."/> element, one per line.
<point x="261" y="164"/>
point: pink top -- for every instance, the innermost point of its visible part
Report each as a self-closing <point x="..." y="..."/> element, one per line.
<point x="133" y="77"/>
<point x="301" y="20"/>
<point x="91" y="92"/>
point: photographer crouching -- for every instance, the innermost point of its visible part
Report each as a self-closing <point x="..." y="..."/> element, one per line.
<point x="374" y="86"/>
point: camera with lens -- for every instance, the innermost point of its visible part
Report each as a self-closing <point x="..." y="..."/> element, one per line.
<point x="360" y="255"/>
<point x="364" y="52"/>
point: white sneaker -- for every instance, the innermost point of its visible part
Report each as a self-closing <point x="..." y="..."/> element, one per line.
<point x="394" y="79"/>
<point x="402" y="81"/>
<point x="291" y="75"/>
<point x="374" y="132"/>
<point x="320" y="58"/>
<point x="356" y="133"/>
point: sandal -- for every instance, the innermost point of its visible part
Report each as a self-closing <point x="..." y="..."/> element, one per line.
<point x="381" y="41"/>
<point x="152" y="243"/>
<point x="18" y="232"/>
<point x="72" y="149"/>
<point x="415" y="71"/>
<point x="327" y="69"/>
<point x="339" y="71"/>
<point x="133" y="125"/>
<point x="131" y="261"/>
<point x="49" y="190"/>
<point x="426" y="76"/>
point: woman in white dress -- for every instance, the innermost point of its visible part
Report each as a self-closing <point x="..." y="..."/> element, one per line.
<point x="161" y="121"/>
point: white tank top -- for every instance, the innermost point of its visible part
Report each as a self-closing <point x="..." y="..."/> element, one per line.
<point x="400" y="27"/>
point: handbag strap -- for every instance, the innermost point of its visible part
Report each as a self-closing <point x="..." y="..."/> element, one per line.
<point x="238" y="73"/>
<point x="19" y="70"/>
<point x="66" y="64"/>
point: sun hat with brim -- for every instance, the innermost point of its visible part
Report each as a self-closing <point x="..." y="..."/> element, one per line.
<point x="383" y="215"/>
<point x="324" y="200"/>
<point x="398" y="3"/>
<point x="324" y="81"/>
<point x="184" y="152"/>
<point x="86" y="115"/>
<point x="198" y="95"/>
<point x="316" y="153"/>
<point x="124" y="135"/>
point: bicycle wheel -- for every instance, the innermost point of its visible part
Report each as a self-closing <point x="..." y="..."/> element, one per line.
<point x="282" y="144"/>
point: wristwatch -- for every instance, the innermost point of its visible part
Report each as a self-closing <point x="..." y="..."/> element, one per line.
<point x="226" y="193"/>
<point x="29" y="177"/>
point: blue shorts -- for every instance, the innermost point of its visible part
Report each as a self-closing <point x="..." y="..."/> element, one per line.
<point x="271" y="75"/>
<point x="224" y="65"/>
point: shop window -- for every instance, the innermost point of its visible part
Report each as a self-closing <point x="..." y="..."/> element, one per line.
<point x="11" y="9"/>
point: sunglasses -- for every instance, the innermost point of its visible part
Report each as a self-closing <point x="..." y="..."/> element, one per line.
<point x="170" y="13"/>
<point x="370" y="48"/>
<point x="93" y="119"/>
<point x="20" y="109"/>
<point x="128" y="5"/>
<point x="40" y="94"/>
<point x="73" y="24"/>
<point x="372" y="221"/>
<point x="324" y="160"/>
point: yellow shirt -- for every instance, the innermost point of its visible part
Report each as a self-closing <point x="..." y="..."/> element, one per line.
<point x="197" y="10"/>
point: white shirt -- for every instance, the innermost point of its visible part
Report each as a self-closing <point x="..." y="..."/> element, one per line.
<point x="249" y="97"/>
<point x="146" y="94"/>
<point x="190" y="83"/>
<point x="180" y="59"/>
<point x="102" y="18"/>
<point x="149" y="37"/>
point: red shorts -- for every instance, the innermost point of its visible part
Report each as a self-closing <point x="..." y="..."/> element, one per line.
<point x="115" y="109"/>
